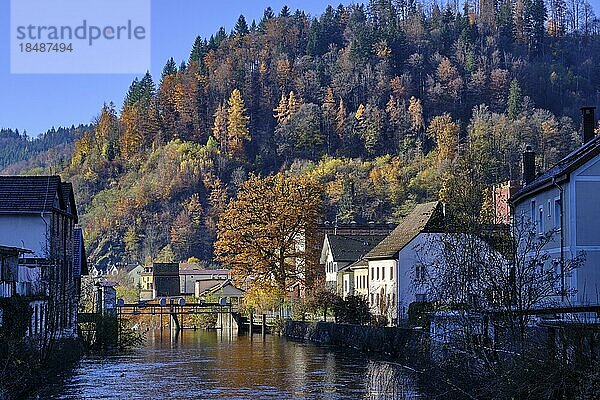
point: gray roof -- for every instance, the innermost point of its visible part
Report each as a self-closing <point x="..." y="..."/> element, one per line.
<point x="34" y="194"/>
<point x="562" y="169"/>
<point x="358" y="264"/>
<point x="13" y="250"/>
<point x="352" y="247"/>
<point x="421" y="219"/>
<point x="220" y="286"/>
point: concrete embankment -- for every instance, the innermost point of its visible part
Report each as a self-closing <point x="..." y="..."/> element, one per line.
<point x="393" y="341"/>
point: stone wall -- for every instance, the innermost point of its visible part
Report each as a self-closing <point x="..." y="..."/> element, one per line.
<point x="396" y="342"/>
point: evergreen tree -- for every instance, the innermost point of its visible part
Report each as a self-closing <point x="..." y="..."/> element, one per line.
<point x="241" y="27"/>
<point x="147" y="90"/>
<point x="285" y="12"/>
<point x="267" y="15"/>
<point x="534" y="18"/>
<point x="515" y="100"/>
<point x="133" y="94"/>
<point x="199" y="50"/>
<point x="169" y="69"/>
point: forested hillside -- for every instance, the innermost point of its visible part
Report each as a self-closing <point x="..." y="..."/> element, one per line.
<point x="380" y="103"/>
<point x="26" y="152"/>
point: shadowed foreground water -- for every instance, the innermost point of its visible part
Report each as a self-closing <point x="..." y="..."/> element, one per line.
<point x="216" y="365"/>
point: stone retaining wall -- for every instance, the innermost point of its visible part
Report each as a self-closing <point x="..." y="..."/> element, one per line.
<point x="387" y="340"/>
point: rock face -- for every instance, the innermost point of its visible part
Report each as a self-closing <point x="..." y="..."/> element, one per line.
<point x="387" y="340"/>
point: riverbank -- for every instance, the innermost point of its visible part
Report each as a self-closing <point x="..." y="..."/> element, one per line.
<point x="29" y="369"/>
<point x="391" y="341"/>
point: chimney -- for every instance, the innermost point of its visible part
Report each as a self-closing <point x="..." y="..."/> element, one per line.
<point x="528" y="165"/>
<point x="588" y="123"/>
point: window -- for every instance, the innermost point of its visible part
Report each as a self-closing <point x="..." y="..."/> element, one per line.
<point x="377" y="273"/>
<point x="391" y="273"/>
<point x="557" y="212"/>
<point x="419" y="272"/>
<point x="541" y="221"/>
<point x="372" y="273"/>
<point x="345" y="285"/>
<point x="532" y="215"/>
<point x="372" y="298"/>
<point x="383" y="273"/>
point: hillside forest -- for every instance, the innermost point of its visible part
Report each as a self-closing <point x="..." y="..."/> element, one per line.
<point x="383" y="104"/>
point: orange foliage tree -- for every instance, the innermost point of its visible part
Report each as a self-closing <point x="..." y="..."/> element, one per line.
<point x="261" y="231"/>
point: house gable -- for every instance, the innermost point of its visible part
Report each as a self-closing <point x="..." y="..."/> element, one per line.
<point x="591" y="169"/>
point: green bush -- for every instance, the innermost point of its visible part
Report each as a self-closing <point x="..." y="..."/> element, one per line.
<point x="352" y="310"/>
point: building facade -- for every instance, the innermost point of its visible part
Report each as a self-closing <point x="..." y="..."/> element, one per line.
<point x="39" y="213"/>
<point x="340" y="251"/>
<point x="563" y="202"/>
<point x="391" y="265"/>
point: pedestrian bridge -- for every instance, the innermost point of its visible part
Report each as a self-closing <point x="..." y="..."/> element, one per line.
<point x="176" y="310"/>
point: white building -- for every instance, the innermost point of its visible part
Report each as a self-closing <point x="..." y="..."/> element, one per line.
<point x="194" y="281"/>
<point x="339" y="251"/>
<point x="39" y="213"/>
<point x="393" y="262"/>
<point x="565" y="201"/>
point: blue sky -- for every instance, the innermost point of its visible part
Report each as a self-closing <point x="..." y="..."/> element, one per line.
<point x="35" y="103"/>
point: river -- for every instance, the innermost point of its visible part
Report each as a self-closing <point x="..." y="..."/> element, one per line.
<point x="218" y="365"/>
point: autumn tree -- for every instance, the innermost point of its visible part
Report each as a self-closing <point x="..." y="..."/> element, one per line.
<point x="415" y="109"/>
<point x="445" y="133"/>
<point x="281" y="112"/>
<point x="300" y="134"/>
<point x="237" y="124"/>
<point x="219" y="128"/>
<point x="261" y="231"/>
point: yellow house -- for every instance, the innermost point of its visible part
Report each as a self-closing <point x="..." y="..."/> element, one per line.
<point x="147" y="291"/>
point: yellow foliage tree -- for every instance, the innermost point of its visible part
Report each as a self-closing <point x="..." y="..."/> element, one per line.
<point x="219" y="128"/>
<point x="237" y="124"/>
<point x="445" y="132"/>
<point x="281" y="111"/>
<point x="415" y="109"/>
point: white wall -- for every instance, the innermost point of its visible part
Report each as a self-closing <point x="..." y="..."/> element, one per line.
<point x="25" y="231"/>
<point x="348" y="284"/>
<point x="420" y="250"/>
<point x="383" y="282"/>
<point x="330" y="269"/>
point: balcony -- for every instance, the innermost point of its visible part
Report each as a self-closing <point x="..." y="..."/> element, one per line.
<point x="31" y="288"/>
<point x="25" y="289"/>
<point x="6" y="289"/>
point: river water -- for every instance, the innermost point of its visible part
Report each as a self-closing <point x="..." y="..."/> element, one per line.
<point x="218" y="365"/>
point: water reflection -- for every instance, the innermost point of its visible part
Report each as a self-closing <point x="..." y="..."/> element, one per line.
<point x="215" y="364"/>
